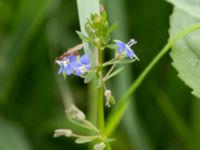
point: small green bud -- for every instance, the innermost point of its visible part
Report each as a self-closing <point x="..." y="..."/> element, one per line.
<point x="112" y="100"/>
<point x="98" y="19"/>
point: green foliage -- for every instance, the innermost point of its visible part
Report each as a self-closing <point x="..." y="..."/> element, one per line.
<point x="84" y="13"/>
<point x="11" y="137"/>
<point x="186" y="52"/>
<point x="97" y="28"/>
<point x="192" y="7"/>
<point x="83" y="37"/>
<point x="114" y="73"/>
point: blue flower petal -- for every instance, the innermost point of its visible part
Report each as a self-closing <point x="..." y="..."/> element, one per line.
<point x="74" y="65"/>
<point x="61" y="69"/>
<point x="78" y="73"/>
<point x="72" y="58"/>
<point x="68" y="70"/>
<point x="88" y="67"/>
<point x="85" y="59"/>
<point x="130" y="53"/>
<point x="121" y="46"/>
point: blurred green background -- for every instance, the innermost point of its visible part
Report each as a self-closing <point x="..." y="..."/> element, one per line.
<point x="163" y="114"/>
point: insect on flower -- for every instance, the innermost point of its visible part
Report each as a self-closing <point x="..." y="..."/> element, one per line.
<point x="71" y="51"/>
<point x="67" y="60"/>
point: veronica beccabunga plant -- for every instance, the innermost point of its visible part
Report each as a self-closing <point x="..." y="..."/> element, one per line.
<point x="92" y="68"/>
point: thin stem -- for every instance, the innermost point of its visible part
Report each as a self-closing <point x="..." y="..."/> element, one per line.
<point x="111" y="62"/>
<point x="91" y="125"/>
<point x="111" y="69"/>
<point x="117" y="113"/>
<point x="108" y="147"/>
<point x="85" y="136"/>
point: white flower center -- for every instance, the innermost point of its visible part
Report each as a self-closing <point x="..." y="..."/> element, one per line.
<point x="82" y="68"/>
<point x="66" y="62"/>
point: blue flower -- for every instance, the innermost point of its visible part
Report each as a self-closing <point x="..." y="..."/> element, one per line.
<point x="83" y="66"/>
<point x="67" y="64"/>
<point x="126" y="48"/>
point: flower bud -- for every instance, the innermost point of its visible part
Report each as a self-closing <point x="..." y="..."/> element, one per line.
<point x="63" y="132"/>
<point x="107" y="94"/>
<point x="74" y="113"/>
<point x="109" y="98"/>
<point x="100" y="146"/>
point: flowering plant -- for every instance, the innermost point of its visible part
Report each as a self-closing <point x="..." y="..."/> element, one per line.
<point x="93" y="68"/>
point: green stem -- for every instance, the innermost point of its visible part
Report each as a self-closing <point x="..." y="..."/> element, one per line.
<point x="118" y="112"/>
<point x="101" y="109"/>
<point x="100" y="93"/>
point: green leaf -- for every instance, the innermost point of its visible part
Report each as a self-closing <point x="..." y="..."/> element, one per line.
<point x="89" y="77"/>
<point x="11" y="137"/>
<point x="111" y="46"/>
<point x="83" y="37"/>
<point x="126" y="61"/>
<point x="85" y="9"/>
<point x="113" y="27"/>
<point x="85" y="139"/>
<point x="192" y="7"/>
<point x="186" y="52"/>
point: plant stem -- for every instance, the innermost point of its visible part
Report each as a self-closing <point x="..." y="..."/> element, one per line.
<point x="100" y="93"/>
<point x="101" y="109"/>
<point x="118" y="112"/>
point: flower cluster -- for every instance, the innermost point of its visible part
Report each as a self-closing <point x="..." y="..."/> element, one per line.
<point x="73" y="64"/>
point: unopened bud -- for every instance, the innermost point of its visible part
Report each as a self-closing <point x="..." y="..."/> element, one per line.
<point x="100" y="146"/>
<point x="98" y="19"/>
<point x="109" y="98"/>
<point x="74" y="113"/>
<point x="80" y="116"/>
<point x="107" y="94"/>
<point x="97" y="41"/>
<point x="63" y="132"/>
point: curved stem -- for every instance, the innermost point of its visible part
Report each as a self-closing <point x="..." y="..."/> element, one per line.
<point x="118" y="112"/>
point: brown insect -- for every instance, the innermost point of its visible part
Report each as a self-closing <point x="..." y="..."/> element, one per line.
<point x="71" y="51"/>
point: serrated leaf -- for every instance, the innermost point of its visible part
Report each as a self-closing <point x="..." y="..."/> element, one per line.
<point x="191" y="7"/>
<point x="85" y="139"/>
<point x="186" y="52"/>
<point x="83" y="37"/>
